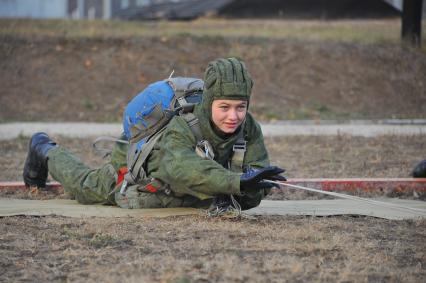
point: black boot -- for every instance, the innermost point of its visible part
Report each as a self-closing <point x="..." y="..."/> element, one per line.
<point x="35" y="169"/>
<point x="420" y="170"/>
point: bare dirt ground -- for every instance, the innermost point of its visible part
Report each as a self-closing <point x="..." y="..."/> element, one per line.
<point x="87" y="71"/>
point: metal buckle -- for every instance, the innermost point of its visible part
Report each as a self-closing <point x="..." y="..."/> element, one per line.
<point x="204" y="150"/>
<point x="123" y="188"/>
<point x="240" y="146"/>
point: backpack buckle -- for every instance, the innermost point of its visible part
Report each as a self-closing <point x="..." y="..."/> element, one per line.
<point x="204" y="150"/>
<point x="123" y="188"/>
<point x="242" y="147"/>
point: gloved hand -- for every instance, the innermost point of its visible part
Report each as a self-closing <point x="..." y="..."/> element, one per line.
<point x="254" y="179"/>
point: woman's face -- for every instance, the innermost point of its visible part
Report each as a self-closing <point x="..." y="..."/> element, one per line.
<point x="228" y="115"/>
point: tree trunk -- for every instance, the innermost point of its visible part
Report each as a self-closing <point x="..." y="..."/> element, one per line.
<point x="412" y="21"/>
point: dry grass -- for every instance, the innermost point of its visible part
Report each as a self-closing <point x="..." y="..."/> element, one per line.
<point x="359" y="31"/>
<point x="345" y="156"/>
<point x="195" y="249"/>
<point x="303" y="157"/>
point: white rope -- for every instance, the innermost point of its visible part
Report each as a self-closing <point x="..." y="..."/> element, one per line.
<point x="106" y="151"/>
<point x="236" y="205"/>
<point x="374" y="202"/>
<point x="171" y="74"/>
<point x="230" y="211"/>
<point x="112" y="139"/>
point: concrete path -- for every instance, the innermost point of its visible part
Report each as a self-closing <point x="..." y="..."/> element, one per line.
<point x="343" y="207"/>
<point x="70" y="208"/>
<point x="365" y="128"/>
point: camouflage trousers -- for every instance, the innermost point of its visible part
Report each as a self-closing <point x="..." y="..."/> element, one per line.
<point x="98" y="186"/>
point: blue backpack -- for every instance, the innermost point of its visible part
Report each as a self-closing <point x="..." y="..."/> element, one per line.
<point x="148" y="113"/>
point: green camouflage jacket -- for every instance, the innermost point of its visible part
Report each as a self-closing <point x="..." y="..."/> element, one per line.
<point x="175" y="162"/>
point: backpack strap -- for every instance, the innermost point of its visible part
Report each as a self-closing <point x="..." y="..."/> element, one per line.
<point x="135" y="166"/>
<point x="240" y="147"/>
<point x="194" y="124"/>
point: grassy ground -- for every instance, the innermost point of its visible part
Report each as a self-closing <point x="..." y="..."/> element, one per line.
<point x="352" y="31"/>
<point x="293" y="80"/>
<point x="303" y="157"/>
<point x="87" y="71"/>
<point x="196" y="249"/>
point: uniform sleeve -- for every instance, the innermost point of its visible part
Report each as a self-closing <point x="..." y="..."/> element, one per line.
<point x="185" y="171"/>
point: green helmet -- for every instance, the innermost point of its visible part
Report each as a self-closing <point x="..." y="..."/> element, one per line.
<point x="224" y="79"/>
<point x="227" y="79"/>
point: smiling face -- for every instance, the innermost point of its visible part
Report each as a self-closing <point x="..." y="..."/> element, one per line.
<point x="228" y="115"/>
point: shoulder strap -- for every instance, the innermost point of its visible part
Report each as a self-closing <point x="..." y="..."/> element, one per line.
<point x="194" y="124"/>
<point x="240" y="147"/>
<point x="135" y="167"/>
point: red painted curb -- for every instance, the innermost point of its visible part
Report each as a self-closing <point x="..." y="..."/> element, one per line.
<point x="11" y="186"/>
<point x="355" y="184"/>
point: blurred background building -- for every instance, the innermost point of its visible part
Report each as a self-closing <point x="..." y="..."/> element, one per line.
<point x="190" y="9"/>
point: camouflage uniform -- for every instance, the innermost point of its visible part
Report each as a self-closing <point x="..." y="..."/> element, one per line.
<point x="193" y="181"/>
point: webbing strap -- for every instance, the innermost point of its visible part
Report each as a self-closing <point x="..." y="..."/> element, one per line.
<point x="239" y="149"/>
<point x="137" y="164"/>
<point x="194" y="124"/>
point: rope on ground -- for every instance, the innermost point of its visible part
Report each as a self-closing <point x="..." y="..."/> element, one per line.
<point x="226" y="211"/>
<point x="417" y="211"/>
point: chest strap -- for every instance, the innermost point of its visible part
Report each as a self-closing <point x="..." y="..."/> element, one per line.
<point x="239" y="149"/>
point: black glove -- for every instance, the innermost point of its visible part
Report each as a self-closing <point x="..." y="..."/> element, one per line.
<point x="420" y="170"/>
<point x="278" y="178"/>
<point x="253" y="179"/>
<point x="262" y="185"/>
